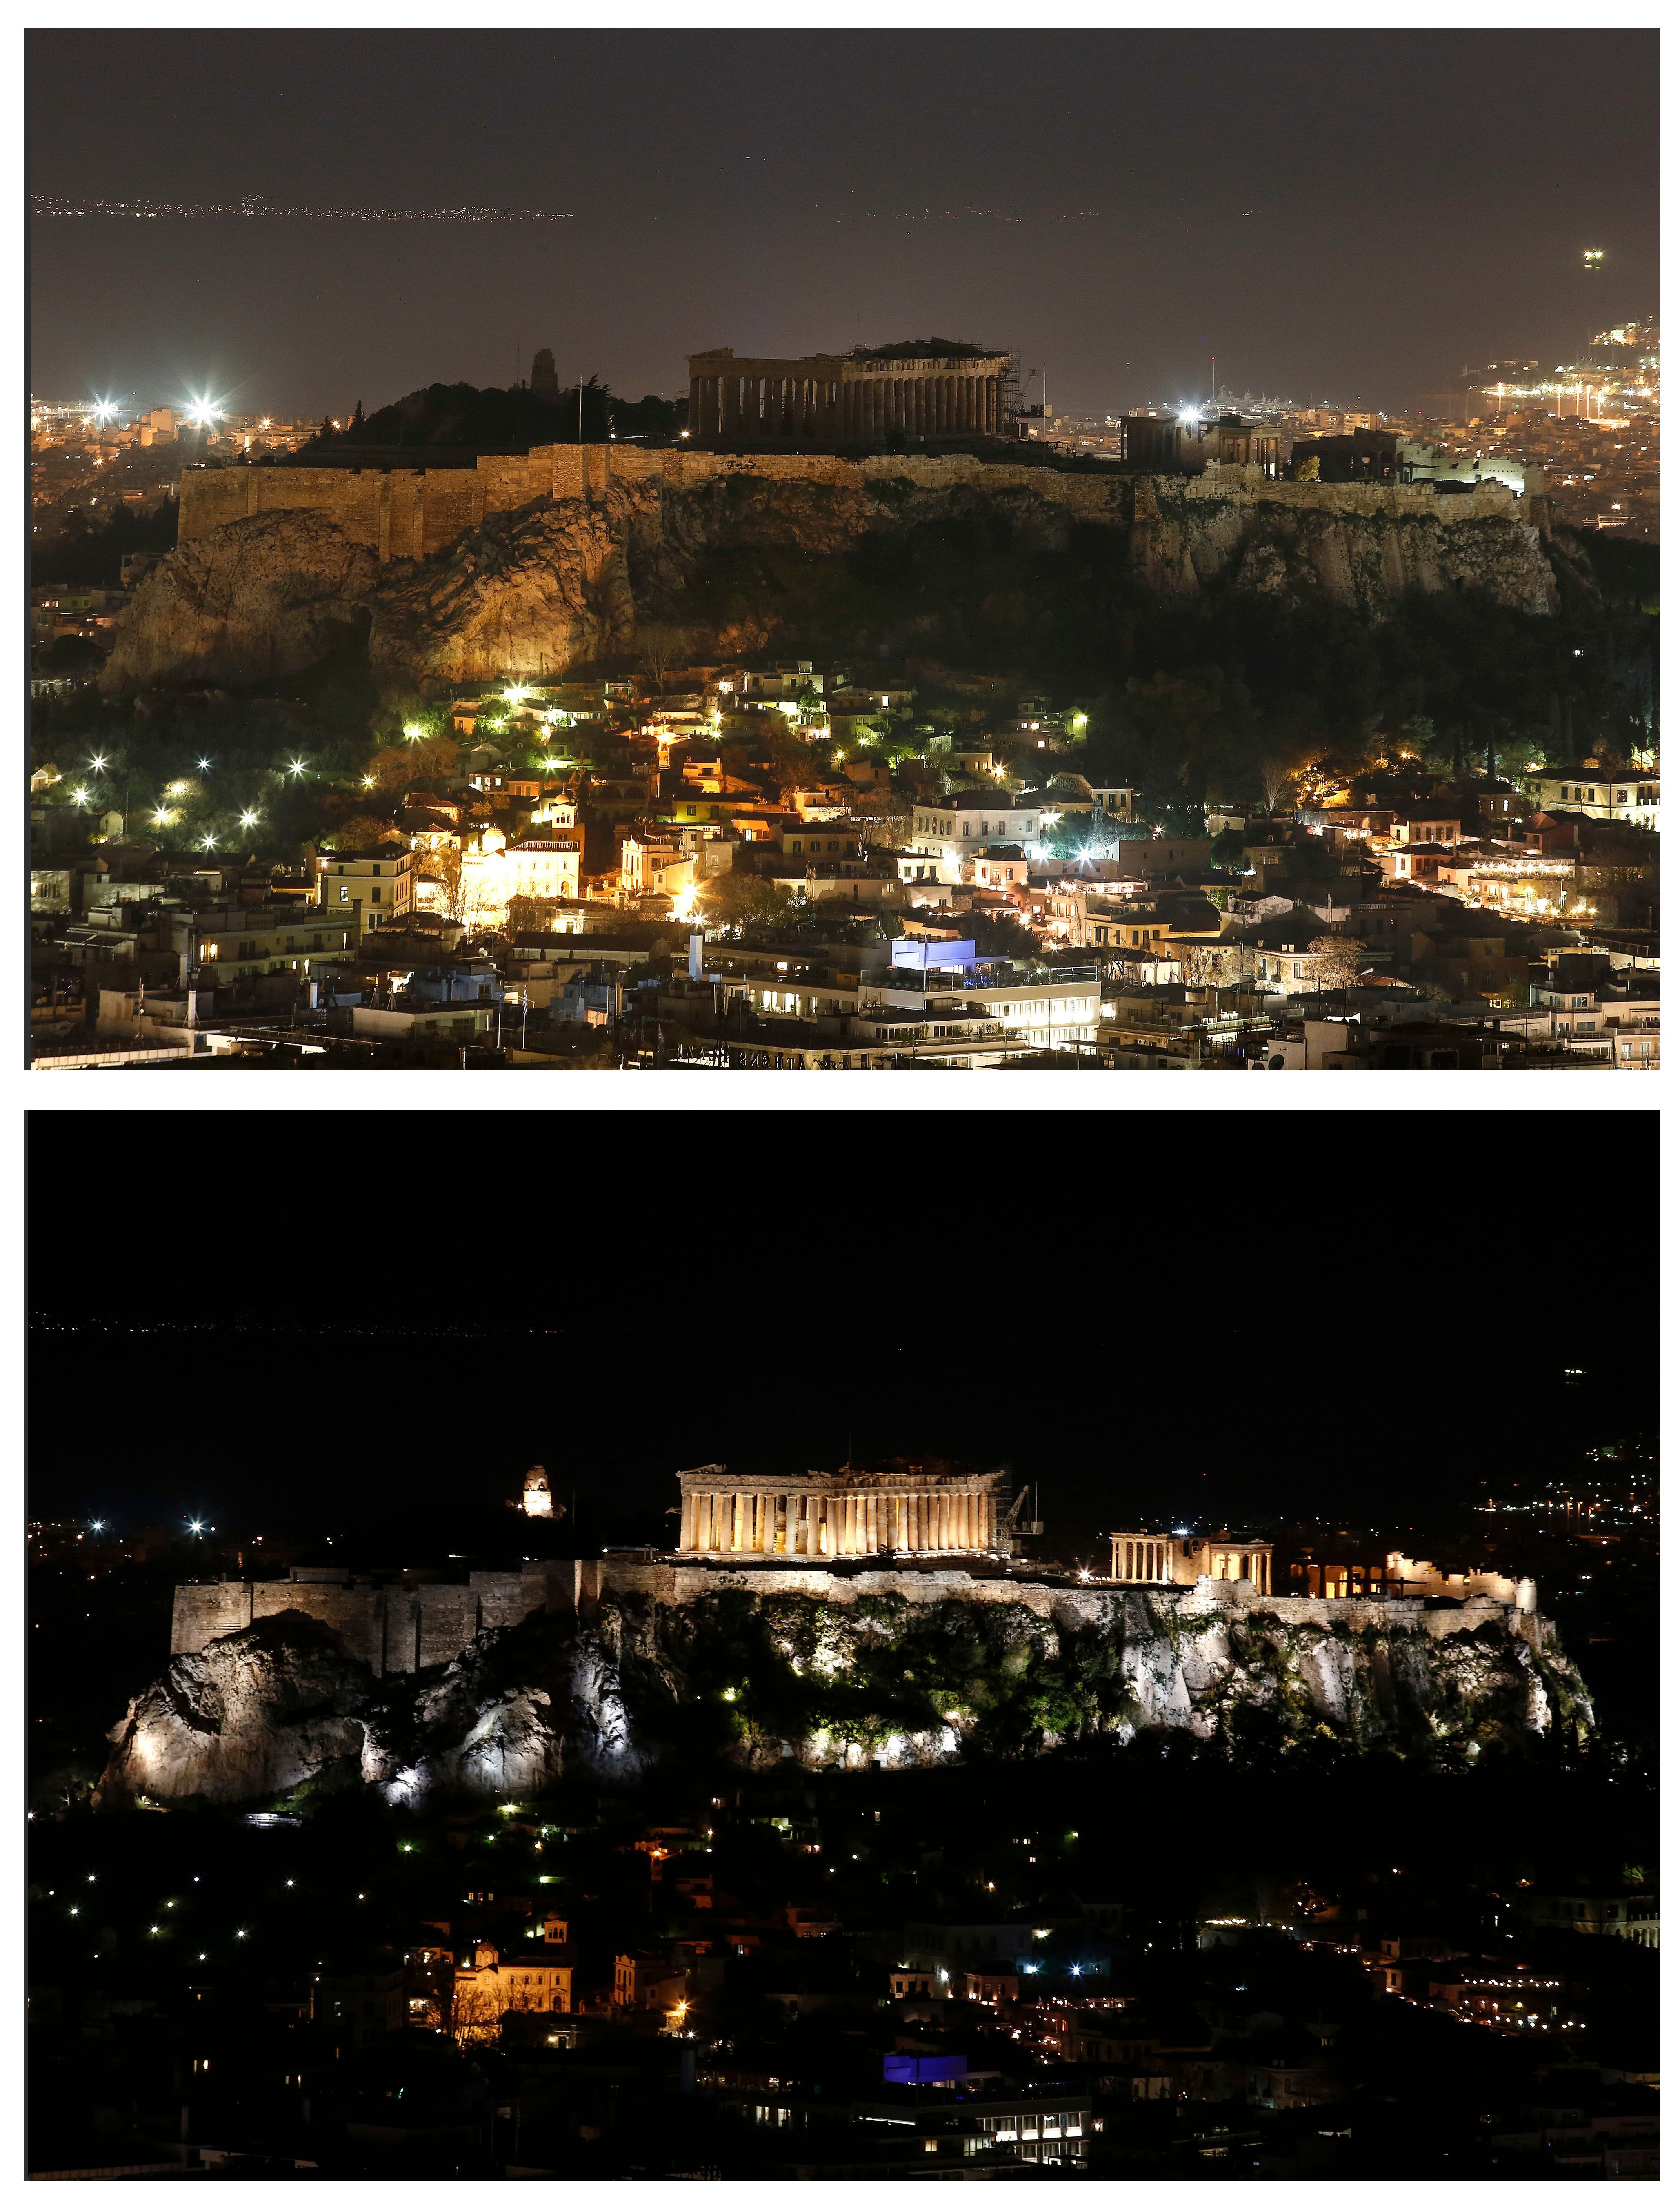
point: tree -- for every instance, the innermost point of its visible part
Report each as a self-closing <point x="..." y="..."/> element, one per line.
<point x="411" y="766"/>
<point x="1211" y="963"/>
<point x="444" y="867"/>
<point x="661" y="647"/>
<point x="360" y="832"/>
<point x="1225" y="852"/>
<point x="741" y="900"/>
<point x="879" y="815"/>
<point x="356" y="418"/>
<point x="531" y="915"/>
<point x="1275" y="778"/>
<point x="1341" y="960"/>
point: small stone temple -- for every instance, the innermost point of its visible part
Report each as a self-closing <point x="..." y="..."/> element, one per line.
<point x="849" y="1512"/>
<point x="924" y="390"/>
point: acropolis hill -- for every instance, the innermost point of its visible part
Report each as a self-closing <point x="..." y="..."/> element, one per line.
<point x="533" y="562"/>
<point x="845" y="1618"/>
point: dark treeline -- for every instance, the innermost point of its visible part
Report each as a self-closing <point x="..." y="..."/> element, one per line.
<point x="89" y="549"/>
<point x="462" y="416"/>
<point x="1199" y="695"/>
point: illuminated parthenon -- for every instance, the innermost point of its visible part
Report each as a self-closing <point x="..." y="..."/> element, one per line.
<point x="843" y="1513"/>
<point x="865" y="396"/>
<point x="1174" y="1559"/>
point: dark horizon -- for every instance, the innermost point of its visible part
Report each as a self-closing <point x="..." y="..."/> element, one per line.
<point x="1132" y="1357"/>
<point x="1347" y="215"/>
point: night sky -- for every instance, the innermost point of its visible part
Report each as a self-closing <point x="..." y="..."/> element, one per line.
<point x="1155" y="1315"/>
<point x="1335" y="215"/>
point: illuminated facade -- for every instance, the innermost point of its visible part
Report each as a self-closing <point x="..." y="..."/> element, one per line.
<point x="539" y="1500"/>
<point x="1175" y="1559"/>
<point x="848" y="1512"/>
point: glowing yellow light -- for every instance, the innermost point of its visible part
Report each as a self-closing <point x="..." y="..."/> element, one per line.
<point x="413" y="731"/>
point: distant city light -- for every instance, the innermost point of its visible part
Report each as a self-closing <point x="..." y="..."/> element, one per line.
<point x="195" y="1525"/>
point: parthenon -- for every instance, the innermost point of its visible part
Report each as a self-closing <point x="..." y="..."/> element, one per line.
<point x="842" y="1513"/>
<point x="866" y="396"/>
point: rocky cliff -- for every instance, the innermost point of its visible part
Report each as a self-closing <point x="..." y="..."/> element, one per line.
<point x="758" y="1678"/>
<point x="926" y="554"/>
<point x="268" y="598"/>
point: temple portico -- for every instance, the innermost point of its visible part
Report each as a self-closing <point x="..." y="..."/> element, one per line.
<point x="1174" y="1559"/>
<point x="843" y="1513"/>
<point x="862" y="397"/>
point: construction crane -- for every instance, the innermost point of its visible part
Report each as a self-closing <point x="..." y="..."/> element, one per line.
<point x="1014" y="1525"/>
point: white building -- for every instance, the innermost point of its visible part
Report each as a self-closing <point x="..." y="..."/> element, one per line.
<point x="1631" y="794"/>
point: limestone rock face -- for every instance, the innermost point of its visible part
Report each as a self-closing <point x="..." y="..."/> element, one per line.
<point x="256" y="1712"/>
<point x="557" y="583"/>
<point x="260" y="599"/>
<point x="1366" y="557"/>
<point x="259" y="1713"/>
<point x="541" y="591"/>
<point x="877" y="1679"/>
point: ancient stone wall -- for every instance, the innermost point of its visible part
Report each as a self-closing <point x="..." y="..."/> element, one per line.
<point x="1068" y="1605"/>
<point x="392" y="1628"/>
<point x="410" y="513"/>
<point x="396" y="1631"/>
